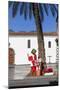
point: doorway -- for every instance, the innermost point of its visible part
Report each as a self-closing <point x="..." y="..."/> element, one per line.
<point x="11" y="56"/>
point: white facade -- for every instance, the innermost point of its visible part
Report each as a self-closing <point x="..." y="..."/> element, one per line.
<point x="20" y="46"/>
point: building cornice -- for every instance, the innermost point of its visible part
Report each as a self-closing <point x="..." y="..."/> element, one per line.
<point x="32" y="34"/>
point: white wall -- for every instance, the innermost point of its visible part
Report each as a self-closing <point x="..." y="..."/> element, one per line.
<point x="19" y="44"/>
<point x="50" y="51"/>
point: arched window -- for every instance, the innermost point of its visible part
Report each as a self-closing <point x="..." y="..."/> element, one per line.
<point x="49" y="44"/>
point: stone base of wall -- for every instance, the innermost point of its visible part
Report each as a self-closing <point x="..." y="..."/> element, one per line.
<point x="11" y="65"/>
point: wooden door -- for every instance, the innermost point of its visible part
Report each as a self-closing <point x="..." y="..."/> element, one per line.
<point x="11" y="56"/>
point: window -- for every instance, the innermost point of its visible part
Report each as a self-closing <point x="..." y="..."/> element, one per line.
<point x="49" y="44"/>
<point x="28" y="43"/>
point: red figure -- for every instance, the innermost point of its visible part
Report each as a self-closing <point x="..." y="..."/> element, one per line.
<point x="33" y="59"/>
<point x="35" y="69"/>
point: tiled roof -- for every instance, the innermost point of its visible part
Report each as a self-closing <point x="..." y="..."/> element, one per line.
<point x="32" y="33"/>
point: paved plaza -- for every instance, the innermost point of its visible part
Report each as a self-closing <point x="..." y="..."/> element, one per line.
<point x="18" y="76"/>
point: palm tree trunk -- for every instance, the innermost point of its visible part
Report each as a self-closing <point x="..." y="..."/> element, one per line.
<point x="40" y="39"/>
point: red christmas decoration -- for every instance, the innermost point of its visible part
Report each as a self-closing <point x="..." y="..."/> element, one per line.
<point x="33" y="68"/>
<point x="48" y="70"/>
<point x="30" y="58"/>
<point x="33" y="59"/>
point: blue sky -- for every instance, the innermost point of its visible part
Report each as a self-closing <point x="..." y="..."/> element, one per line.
<point x="18" y="23"/>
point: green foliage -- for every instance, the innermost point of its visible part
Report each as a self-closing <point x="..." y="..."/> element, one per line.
<point x="27" y="8"/>
<point x="33" y="51"/>
<point x="56" y="41"/>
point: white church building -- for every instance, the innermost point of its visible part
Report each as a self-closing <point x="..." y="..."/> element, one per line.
<point x="23" y="42"/>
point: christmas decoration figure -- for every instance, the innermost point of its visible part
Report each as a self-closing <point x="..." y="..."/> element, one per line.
<point x="34" y="61"/>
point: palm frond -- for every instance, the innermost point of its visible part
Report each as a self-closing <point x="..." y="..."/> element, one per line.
<point x="25" y="11"/>
<point x="22" y="8"/>
<point x="57" y="18"/>
<point x="46" y="8"/>
<point x="41" y="12"/>
<point x="25" y="7"/>
<point x="10" y="3"/>
<point x="15" y="8"/>
<point x="55" y="7"/>
<point x="30" y="10"/>
<point x="52" y="9"/>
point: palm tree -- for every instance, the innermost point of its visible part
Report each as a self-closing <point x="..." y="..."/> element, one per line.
<point x="38" y="13"/>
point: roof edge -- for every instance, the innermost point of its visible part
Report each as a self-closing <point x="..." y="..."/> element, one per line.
<point x="32" y="33"/>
